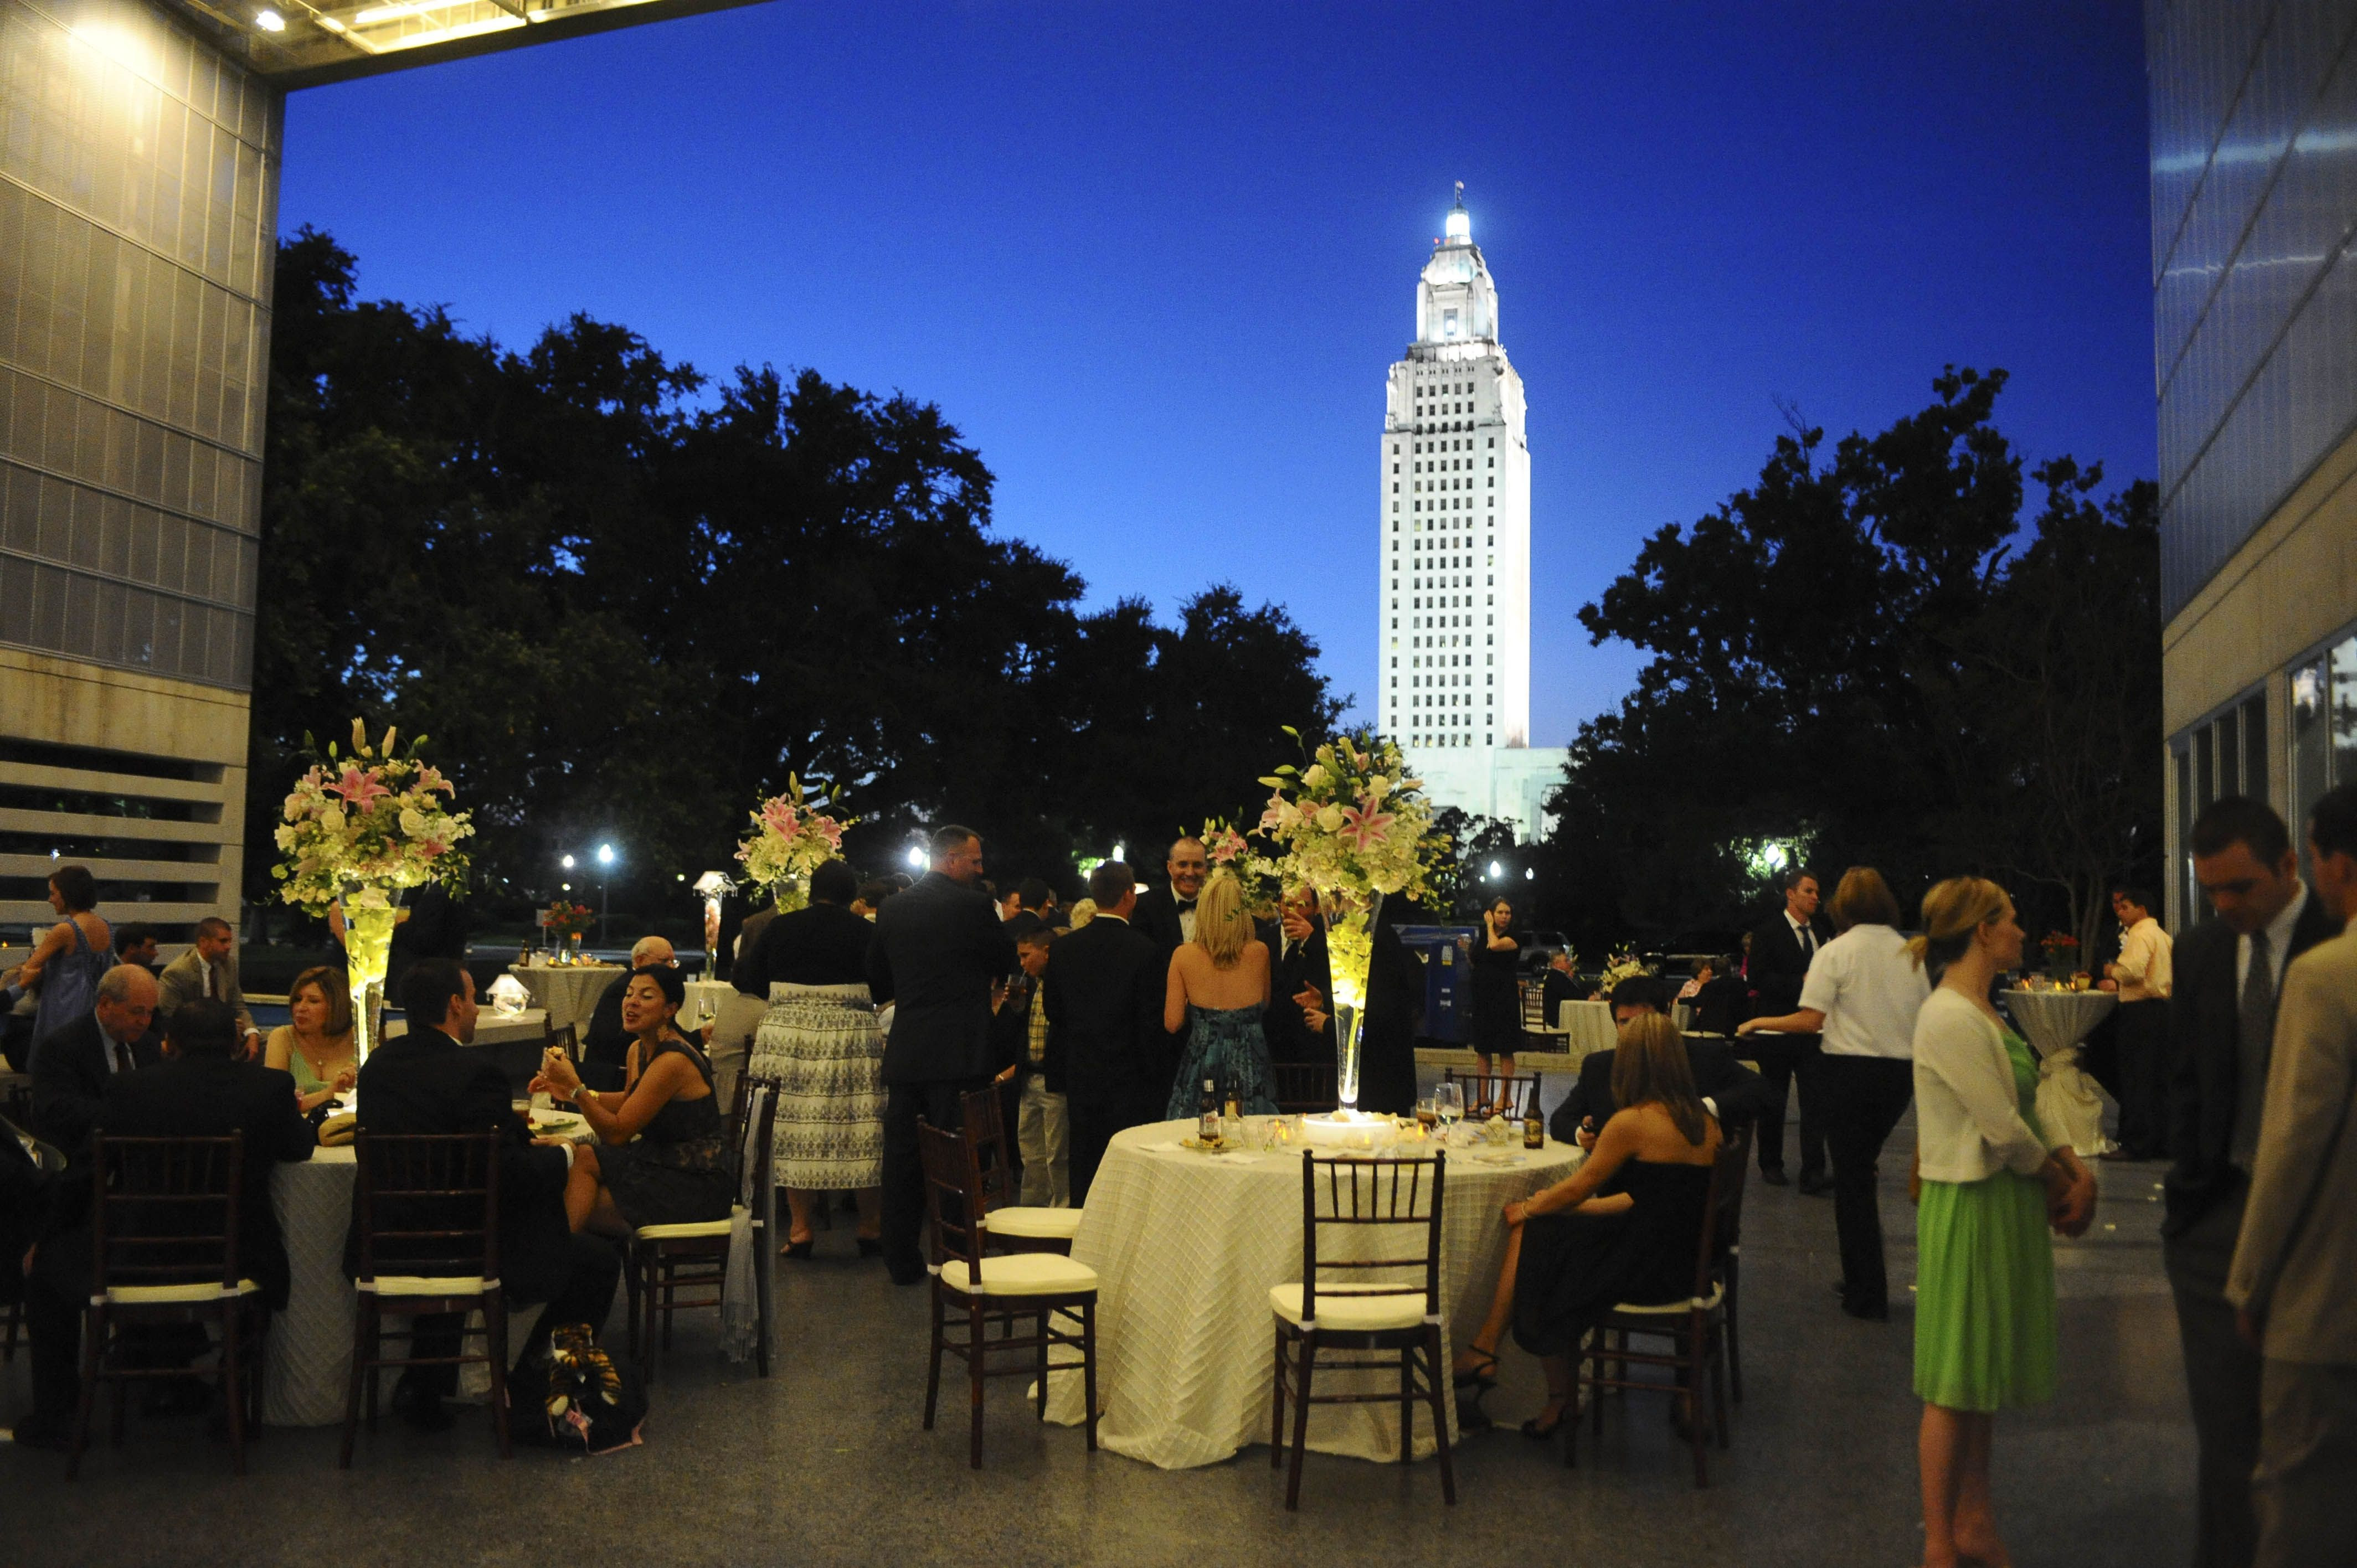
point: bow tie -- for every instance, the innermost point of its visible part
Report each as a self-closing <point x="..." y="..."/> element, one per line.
<point x="1186" y="903"/>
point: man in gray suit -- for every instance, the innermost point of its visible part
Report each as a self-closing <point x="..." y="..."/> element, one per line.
<point x="2294" y="1280"/>
<point x="208" y="971"/>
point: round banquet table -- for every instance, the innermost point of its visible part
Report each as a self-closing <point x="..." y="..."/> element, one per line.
<point x="2069" y="1102"/>
<point x="492" y="1027"/>
<point x="1187" y="1247"/>
<point x="569" y="995"/>
<point x="1589" y="1028"/>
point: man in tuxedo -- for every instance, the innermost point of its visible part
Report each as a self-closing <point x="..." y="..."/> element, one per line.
<point x="428" y="1082"/>
<point x="2228" y="972"/>
<point x="1166" y="914"/>
<point x="73" y="1066"/>
<point x="605" y="1044"/>
<point x="208" y="971"/>
<point x="1730" y="1091"/>
<point x="940" y="949"/>
<point x="1297" y="952"/>
<point x="1104" y="986"/>
<point x="197" y="1089"/>
<point x="1780" y="951"/>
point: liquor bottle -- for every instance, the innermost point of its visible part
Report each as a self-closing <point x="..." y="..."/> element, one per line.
<point x="1207" y="1114"/>
<point x="1534" y="1130"/>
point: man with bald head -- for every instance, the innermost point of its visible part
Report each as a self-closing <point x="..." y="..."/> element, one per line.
<point x="1166" y="914"/>
<point x="604" y="1044"/>
<point x="72" y="1068"/>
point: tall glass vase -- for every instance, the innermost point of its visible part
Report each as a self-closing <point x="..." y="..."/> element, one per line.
<point x="1349" y="955"/>
<point x="368" y="948"/>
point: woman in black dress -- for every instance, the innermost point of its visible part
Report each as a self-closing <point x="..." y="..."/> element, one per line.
<point x="1622" y="1228"/>
<point x="1497" y="999"/>
<point x="660" y="1156"/>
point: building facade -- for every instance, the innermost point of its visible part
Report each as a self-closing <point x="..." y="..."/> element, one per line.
<point x="139" y="156"/>
<point x="1454" y="678"/>
<point x="2253" y="172"/>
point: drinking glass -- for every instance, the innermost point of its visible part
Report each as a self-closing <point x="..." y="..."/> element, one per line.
<point x="1425" y="1115"/>
<point x="1449" y="1104"/>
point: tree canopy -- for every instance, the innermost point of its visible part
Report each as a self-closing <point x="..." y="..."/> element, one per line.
<point x="1869" y="656"/>
<point x="625" y="601"/>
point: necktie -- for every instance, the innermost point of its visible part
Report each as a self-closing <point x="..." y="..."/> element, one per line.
<point x="2255" y="1034"/>
<point x="209" y="982"/>
<point x="122" y="1056"/>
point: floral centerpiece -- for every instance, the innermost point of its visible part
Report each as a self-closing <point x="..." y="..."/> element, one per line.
<point x="2061" y="949"/>
<point x="360" y="830"/>
<point x="1623" y="965"/>
<point x="1356" y="829"/>
<point x="791" y="838"/>
<point x="568" y="922"/>
<point x="1228" y="849"/>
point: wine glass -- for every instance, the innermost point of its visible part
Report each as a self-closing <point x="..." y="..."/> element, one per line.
<point x="1449" y="1104"/>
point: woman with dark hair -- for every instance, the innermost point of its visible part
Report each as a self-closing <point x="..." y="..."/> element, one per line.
<point x="1622" y="1228"/>
<point x="820" y="1043"/>
<point x="660" y="1156"/>
<point x="70" y="956"/>
<point x="316" y="1046"/>
<point x="1497" y="998"/>
<point x="1862" y="993"/>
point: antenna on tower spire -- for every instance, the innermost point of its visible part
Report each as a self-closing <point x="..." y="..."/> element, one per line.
<point x="1460" y="193"/>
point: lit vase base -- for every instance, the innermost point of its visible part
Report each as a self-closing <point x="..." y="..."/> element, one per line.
<point x="1353" y="1132"/>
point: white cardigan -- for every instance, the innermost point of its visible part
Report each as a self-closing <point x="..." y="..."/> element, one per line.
<point x="1969" y="1122"/>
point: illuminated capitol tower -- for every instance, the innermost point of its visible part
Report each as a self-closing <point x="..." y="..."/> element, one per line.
<point x="1454" y="677"/>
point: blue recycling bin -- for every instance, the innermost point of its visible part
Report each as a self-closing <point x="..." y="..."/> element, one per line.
<point x="1446" y="953"/>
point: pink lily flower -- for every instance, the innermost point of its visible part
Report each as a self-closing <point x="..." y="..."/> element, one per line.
<point x="1364" y="828"/>
<point x="359" y="789"/>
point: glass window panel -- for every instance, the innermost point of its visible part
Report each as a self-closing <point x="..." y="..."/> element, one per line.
<point x="2255" y="747"/>
<point x="2343" y="675"/>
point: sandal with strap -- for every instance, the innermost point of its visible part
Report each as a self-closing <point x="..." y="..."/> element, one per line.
<point x="1482" y="1374"/>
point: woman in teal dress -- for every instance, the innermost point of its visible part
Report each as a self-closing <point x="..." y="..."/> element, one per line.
<point x="316" y="1046"/>
<point x="1992" y="1183"/>
<point x="1218" y="987"/>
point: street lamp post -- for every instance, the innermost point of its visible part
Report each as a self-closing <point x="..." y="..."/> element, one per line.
<point x="605" y="869"/>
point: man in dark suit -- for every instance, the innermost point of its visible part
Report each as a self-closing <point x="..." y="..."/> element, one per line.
<point x="1297" y="952"/>
<point x="1780" y="951"/>
<point x="199" y="1090"/>
<point x="1104" y="986"/>
<point x="2229" y="971"/>
<point x="1734" y="1090"/>
<point x="1558" y="986"/>
<point x="73" y="1066"/>
<point x="428" y="1083"/>
<point x="1166" y="914"/>
<point x="939" y="950"/>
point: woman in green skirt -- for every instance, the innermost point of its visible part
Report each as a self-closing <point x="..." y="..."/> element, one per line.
<point x="1992" y="1183"/>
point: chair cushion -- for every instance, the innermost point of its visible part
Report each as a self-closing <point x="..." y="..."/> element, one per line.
<point x="1023" y="1273"/>
<point x="164" y="1296"/>
<point x="1044" y="1224"/>
<point x="420" y="1285"/>
<point x="1350" y="1308"/>
<point x="694" y="1231"/>
<point x="1669" y="1308"/>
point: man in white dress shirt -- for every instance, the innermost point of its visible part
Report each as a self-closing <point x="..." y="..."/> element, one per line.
<point x="2141" y="975"/>
<point x="208" y="971"/>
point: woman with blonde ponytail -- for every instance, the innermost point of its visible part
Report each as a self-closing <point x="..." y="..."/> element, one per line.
<point x="1993" y="1181"/>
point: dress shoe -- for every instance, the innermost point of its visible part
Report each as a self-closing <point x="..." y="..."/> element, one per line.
<point x="1815" y="1186"/>
<point x="1774" y="1178"/>
<point x="798" y="1251"/>
<point x="907" y="1276"/>
<point x="1875" y="1312"/>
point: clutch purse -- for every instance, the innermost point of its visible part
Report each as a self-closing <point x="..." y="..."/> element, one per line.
<point x="337" y="1130"/>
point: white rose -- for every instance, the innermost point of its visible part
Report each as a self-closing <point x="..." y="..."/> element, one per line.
<point x="413" y="823"/>
<point x="1330" y="818"/>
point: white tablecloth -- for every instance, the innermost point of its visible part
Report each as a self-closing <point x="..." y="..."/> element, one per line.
<point x="1589" y="1027"/>
<point x="491" y="1029"/>
<point x="1187" y="1247"/>
<point x="2069" y="1102"/>
<point x="568" y="995"/>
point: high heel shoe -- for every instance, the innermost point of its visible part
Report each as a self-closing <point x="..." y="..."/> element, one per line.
<point x="1537" y="1433"/>
<point x="798" y="1249"/>
<point x="1482" y="1374"/>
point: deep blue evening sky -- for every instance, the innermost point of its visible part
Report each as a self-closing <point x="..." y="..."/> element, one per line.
<point x="1154" y="261"/>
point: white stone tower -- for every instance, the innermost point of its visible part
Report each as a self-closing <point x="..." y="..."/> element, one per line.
<point x="1454" y="681"/>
